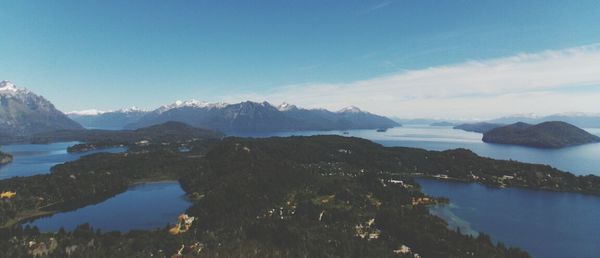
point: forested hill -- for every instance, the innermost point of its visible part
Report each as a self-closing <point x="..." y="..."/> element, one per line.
<point x="165" y="132"/>
<point x="544" y="135"/>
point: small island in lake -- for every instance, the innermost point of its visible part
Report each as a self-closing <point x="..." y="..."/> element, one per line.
<point x="544" y="135"/>
<point x="482" y="127"/>
<point x="5" y="158"/>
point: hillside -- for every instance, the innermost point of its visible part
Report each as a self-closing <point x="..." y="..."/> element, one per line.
<point x="22" y="112"/>
<point x="169" y="132"/>
<point x="543" y="135"/>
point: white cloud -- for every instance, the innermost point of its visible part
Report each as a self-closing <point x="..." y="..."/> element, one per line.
<point x="545" y="82"/>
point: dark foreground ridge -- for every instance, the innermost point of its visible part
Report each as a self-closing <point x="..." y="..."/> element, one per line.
<point x="543" y="135"/>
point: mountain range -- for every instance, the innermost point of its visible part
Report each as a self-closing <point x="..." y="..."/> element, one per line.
<point x="245" y="116"/>
<point x="22" y="112"/>
<point x="110" y="120"/>
<point x="584" y="120"/>
<point x="579" y="119"/>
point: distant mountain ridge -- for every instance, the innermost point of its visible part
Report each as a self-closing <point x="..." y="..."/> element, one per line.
<point x="251" y="116"/>
<point x="22" y="112"/>
<point x="544" y="135"/>
<point x="111" y="120"/>
<point x="481" y="127"/>
<point x="584" y="120"/>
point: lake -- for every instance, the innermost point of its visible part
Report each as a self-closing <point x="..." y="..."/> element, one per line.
<point x="33" y="159"/>
<point x="579" y="160"/>
<point x="134" y="209"/>
<point x="546" y="224"/>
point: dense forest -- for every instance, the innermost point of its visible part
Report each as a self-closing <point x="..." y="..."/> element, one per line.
<point x="324" y="196"/>
<point x="552" y="134"/>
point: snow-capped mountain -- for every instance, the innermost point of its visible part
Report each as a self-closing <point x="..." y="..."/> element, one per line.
<point x="22" y="112"/>
<point x="350" y="109"/>
<point x="261" y="117"/>
<point x="87" y="112"/>
<point x="112" y="120"/>
<point x="286" y="107"/>
<point x="193" y="103"/>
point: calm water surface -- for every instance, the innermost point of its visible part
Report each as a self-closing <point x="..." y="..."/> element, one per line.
<point x="134" y="209"/>
<point x="33" y="159"/>
<point x="546" y="224"/>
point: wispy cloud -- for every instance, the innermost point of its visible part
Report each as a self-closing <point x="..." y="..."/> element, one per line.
<point x="380" y="5"/>
<point x="544" y="82"/>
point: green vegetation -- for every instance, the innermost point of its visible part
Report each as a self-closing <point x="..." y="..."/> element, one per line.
<point x="543" y="135"/>
<point x="168" y="132"/>
<point x="278" y="197"/>
<point x="320" y="196"/>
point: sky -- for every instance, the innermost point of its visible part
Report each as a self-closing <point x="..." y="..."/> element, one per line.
<point x="423" y="58"/>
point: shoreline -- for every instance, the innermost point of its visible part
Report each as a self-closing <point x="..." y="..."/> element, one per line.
<point x="30" y="215"/>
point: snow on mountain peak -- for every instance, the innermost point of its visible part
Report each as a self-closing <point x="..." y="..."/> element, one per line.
<point x="87" y="112"/>
<point x="286" y="107"/>
<point x="350" y="109"/>
<point x="9" y="87"/>
<point x="193" y="103"/>
<point x="130" y="110"/>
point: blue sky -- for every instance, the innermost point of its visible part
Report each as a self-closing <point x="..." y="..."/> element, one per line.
<point x="113" y="54"/>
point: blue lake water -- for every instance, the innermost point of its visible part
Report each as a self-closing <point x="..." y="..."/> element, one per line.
<point x="134" y="209"/>
<point x="546" y="224"/>
<point x="584" y="159"/>
<point x="33" y="159"/>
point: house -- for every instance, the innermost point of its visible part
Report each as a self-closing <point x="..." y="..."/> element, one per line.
<point x="7" y="195"/>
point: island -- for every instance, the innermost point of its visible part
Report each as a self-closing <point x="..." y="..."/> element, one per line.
<point x="481" y="127"/>
<point x="5" y="158"/>
<point x="553" y="134"/>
